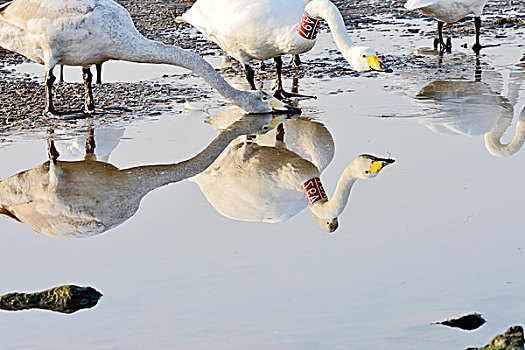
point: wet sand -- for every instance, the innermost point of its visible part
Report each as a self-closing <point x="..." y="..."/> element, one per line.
<point x="22" y="95"/>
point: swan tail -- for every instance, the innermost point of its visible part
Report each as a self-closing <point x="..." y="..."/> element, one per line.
<point x="417" y="4"/>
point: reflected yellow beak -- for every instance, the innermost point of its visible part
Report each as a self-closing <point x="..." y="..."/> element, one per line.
<point x="378" y="165"/>
<point x="374" y="63"/>
<point x="276" y="120"/>
<point x="281" y="107"/>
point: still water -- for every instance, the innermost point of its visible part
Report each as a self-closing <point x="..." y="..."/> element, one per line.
<point x="435" y="235"/>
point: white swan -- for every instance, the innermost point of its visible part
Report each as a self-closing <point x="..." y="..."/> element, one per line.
<point x="263" y="29"/>
<point x="450" y="11"/>
<point x="84" y="198"/>
<point x="87" y="32"/>
<point x="250" y="182"/>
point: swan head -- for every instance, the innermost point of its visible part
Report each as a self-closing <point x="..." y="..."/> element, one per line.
<point x="327" y="225"/>
<point x="362" y="59"/>
<point x="261" y="102"/>
<point x="366" y="166"/>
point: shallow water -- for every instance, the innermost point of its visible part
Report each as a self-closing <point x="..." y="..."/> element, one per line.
<point x="436" y="235"/>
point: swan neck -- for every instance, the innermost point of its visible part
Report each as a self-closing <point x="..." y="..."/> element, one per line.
<point x="328" y="11"/>
<point x="149" y="177"/>
<point x="142" y="50"/>
<point x="332" y="208"/>
<point x="493" y="137"/>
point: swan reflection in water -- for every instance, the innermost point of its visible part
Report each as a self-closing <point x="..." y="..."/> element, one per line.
<point x="88" y="197"/>
<point x="470" y="108"/>
<point x="252" y="181"/>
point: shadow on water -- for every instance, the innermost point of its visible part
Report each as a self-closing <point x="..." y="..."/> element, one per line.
<point x="90" y="196"/>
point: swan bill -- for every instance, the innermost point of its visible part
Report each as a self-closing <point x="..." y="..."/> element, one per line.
<point x="281" y="107"/>
<point x="378" y="164"/>
<point x="375" y="64"/>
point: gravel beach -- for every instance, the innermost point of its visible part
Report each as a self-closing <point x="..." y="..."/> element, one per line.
<point x="22" y="96"/>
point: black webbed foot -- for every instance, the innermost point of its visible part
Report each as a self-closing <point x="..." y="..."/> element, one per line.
<point x="282" y="95"/>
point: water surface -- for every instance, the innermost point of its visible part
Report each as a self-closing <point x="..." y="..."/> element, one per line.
<point x="436" y="235"/>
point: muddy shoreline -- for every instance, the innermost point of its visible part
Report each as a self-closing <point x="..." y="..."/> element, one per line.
<point x="22" y="96"/>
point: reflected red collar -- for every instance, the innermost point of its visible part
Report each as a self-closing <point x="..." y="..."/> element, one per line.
<point x="313" y="190"/>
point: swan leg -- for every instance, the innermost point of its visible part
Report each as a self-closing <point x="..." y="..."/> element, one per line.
<point x="52" y="152"/>
<point x="49" y="109"/>
<point x="89" y="104"/>
<point x="279" y="91"/>
<point x="440" y="42"/>
<point x="250" y="75"/>
<point x="98" y="67"/>
<point x="61" y="76"/>
<point x="262" y="66"/>
<point x="477" y="23"/>
<point x="296" y="61"/>
<point x="90" y="140"/>
<point x="279" y="135"/>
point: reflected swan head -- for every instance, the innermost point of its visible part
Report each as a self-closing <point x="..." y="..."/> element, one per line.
<point x="367" y="166"/>
<point x="261" y="102"/>
<point x="327" y="225"/>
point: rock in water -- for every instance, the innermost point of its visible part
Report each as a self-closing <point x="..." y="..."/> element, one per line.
<point x="466" y="322"/>
<point x="65" y="299"/>
<point x="511" y="340"/>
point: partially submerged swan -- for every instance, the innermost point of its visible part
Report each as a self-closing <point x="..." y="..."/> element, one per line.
<point x="450" y="11"/>
<point x="84" y="198"/>
<point x="263" y="29"/>
<point x="83" y="33"/>
<point x="250" y="182"/>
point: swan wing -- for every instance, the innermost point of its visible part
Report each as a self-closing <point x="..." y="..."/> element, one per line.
<point x="257" y="185"/>
<point x="416" y="4"/>
<point x="449" y="11"/>
<point x="38" y="15"/>
<point x="246" y="28"/>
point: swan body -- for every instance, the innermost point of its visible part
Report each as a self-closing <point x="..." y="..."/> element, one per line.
<point x="307" y="138"/>
<point x="245" y="36"/>
<point x="251" y="182"/>
<point x="263" y="29"/>
<point x="257" y="183"/>
<point x="450" y="11"/>
<point x="87" y="32"/>
<point x="88" y="197"/>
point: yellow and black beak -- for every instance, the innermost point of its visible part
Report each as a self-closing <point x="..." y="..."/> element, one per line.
<point x="281" y="107"/>
<point x="379" y="163"/>
<point x="375" y="64"/>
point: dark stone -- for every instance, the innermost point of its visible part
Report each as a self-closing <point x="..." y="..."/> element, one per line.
<point x="466" y="322"/>
<point x="65" y="299"/>
<point x="511" y="340"/>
